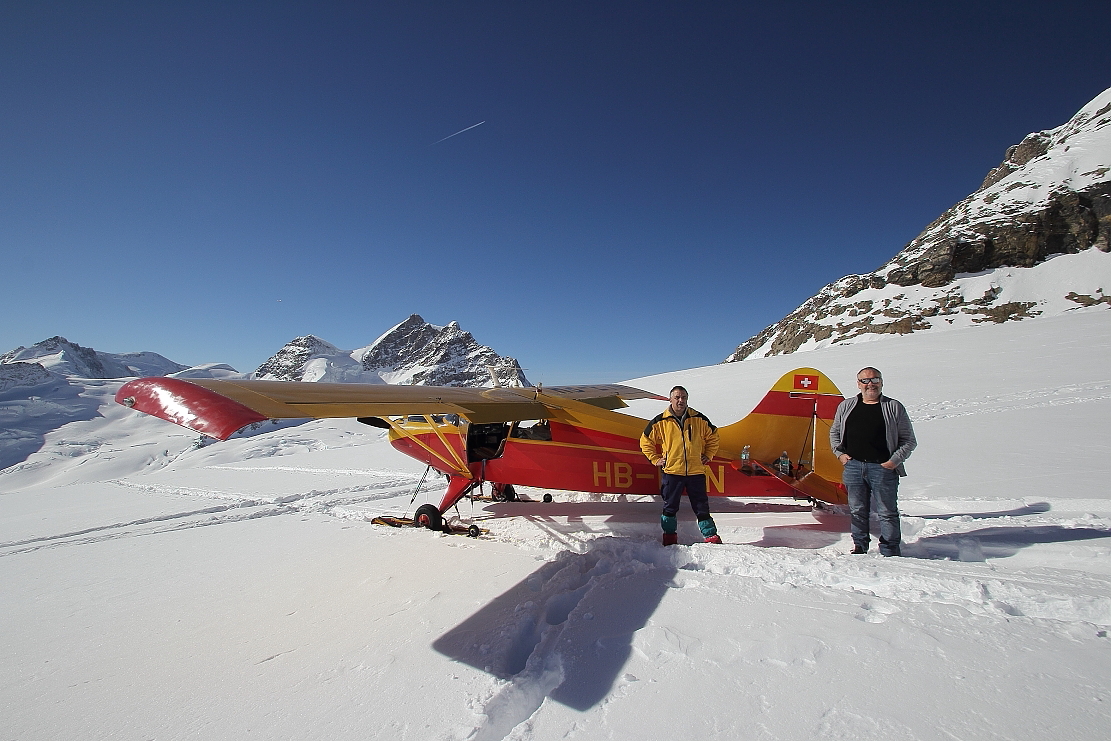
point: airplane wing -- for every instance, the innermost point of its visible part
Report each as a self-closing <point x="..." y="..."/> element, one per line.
<point x="604" y="395"/>
<point x="220" y="407"/>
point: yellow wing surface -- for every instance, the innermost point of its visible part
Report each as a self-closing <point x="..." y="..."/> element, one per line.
<point x="220" y="407"/>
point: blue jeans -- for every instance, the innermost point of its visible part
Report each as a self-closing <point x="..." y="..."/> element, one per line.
<point x="865" y="481"/>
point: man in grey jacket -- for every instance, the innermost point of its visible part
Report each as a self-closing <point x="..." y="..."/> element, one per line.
<point x="871" y="435"/>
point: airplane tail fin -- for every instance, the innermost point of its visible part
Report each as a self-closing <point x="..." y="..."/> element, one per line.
<point x="794" y="416"/>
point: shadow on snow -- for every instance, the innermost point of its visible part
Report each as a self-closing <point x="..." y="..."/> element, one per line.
<point x="996" y="542"/>
<point x="29" y="414"/>
<point x="566" y="630"/>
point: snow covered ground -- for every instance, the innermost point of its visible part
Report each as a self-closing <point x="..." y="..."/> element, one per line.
<point x="154" y="588"/>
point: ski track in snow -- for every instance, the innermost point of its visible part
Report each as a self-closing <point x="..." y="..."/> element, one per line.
<point x="1052" y="396"/>
<point x="337" y="502"/>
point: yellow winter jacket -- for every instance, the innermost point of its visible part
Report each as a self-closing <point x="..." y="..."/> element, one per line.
<point x="682" y="447"/>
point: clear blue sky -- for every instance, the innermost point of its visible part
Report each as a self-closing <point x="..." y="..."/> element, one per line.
<point x="653" y="183"/>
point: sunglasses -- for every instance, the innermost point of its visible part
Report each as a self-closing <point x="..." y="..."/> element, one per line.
<point x="867" y="381"/>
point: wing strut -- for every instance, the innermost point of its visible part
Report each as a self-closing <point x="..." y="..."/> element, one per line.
<point x="462" y="470"/>
<point x="461" y="465"/>
<point x="420" y="484"/>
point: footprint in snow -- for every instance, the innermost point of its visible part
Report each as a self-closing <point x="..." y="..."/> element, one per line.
<point x="875" y="611"/>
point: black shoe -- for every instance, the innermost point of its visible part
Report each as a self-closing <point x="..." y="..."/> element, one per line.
<point x="858" y="551"/>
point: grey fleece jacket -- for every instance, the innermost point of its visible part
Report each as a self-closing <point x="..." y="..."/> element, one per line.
<point x="900" y="434"/>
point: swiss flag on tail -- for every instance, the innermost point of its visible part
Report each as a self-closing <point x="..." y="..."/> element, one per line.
<point x="806" y="382"/>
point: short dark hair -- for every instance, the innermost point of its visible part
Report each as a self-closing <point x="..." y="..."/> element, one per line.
<point x="874" y="370"/>
<point x="678" y="388"/>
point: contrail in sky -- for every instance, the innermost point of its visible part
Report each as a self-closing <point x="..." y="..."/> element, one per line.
<point x="457" y="133"/>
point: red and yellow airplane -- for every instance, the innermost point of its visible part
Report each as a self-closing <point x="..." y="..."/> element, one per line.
<point x="563" y="437"/>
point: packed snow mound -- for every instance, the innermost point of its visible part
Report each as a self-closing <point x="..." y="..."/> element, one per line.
<point x="413" y="352"/>
<point x="70" y="359"/>
<point x="34" y="403"/>
<point x="985" y="259"/>
<point x="26" y="375"/>
<point x="208" y="370"/>
<point x="143" y="364"/>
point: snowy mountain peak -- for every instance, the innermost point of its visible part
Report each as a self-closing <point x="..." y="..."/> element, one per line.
<point x="416" y="352"/>
<point x="288" y="364"/>
<point x="1032" y="240"/>
<point x="67" y="358"/>
<point x="411" y="352"/>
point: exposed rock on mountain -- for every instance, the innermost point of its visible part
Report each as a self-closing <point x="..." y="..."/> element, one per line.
<point x="289" y="363"/>
<point x="1032" y="240"/>
<point x="419" y="353"/>
<point x="25" y="374"/>
<point x="66" y="358"/>
<point x="413" y="352"/>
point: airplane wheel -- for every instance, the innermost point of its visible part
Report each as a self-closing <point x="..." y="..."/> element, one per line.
<point x="428" y="516"/>
<point x="473" y="531"/>
<point x="504" y="493"/>
<point x="547" y="498"/>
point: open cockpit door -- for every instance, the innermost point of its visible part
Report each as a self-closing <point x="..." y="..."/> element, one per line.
<point x="486" y="442"/>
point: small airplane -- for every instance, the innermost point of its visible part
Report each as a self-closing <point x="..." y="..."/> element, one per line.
<point x="557" y="437"/>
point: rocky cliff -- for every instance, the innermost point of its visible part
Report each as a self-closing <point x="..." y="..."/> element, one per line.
<point x="1033" y="239"/>
<point x="413" y="352"/>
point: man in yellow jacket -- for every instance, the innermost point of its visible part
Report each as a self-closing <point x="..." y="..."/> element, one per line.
<point x="681" y="442"/>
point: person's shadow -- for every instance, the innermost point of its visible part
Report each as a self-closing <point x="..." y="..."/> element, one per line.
<point x="566" y="630"/>
<point x="974" y="545"/>
<point x="996" y="542"/>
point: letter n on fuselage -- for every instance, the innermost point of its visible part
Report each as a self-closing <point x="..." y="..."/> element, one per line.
<point x="718" y="481"/>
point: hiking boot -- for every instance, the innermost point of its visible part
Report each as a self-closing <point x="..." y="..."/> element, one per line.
<point x="670" y="538"/>
<point x="858" y="551"/>
<point x="715" y="538"/>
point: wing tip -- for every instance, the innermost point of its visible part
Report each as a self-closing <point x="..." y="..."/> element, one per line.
<point x="187" y="405"/>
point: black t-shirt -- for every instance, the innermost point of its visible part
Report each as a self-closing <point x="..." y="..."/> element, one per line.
<point x="865" y="437"/>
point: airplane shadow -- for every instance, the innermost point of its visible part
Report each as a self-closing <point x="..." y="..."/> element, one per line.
<point x="640" y="509"/>
<point x="996" y="542"/>
<point x="566" y="630"/>
<point x="1037" y="508"/>
<point x="803" y="537"/>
